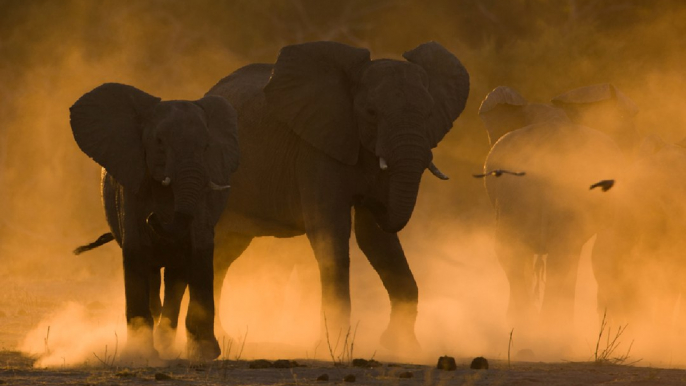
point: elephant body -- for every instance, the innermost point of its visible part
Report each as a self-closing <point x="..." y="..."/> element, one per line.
<point x="544" y="217"/>
<point x="326" y="131"/>
<point x="166" y="168"/>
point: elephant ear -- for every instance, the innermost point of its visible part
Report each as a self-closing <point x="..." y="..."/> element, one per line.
<point x="107" y="126"/>
<point x="604" y="92"/>
<point x="311" y="91"/>
<point x="502" y="111"/>
<point x="222" y="155"/>
<point x="650" y="145"/>
<point x="448" y="85"/>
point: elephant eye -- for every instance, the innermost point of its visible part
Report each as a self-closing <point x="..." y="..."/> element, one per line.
<point x="371" y="112"/>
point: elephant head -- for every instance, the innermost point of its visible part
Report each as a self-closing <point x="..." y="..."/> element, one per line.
<point x="505" y="110"/>
<point x="605" y="108"/>
<point x="187" y="146"/>
<point x="340" y="101"/>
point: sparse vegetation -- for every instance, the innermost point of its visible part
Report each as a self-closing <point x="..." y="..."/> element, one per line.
<point x="108" y="360"/>
<point x="606" y="354"/>
<point x="509" y="348"/>
<point x="345" y="356"/>
<point x="47" y="337"/>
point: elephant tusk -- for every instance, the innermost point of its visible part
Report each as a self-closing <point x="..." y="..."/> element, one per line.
<point x="166" y="181"/>
<point x="436" y="172"/>
<point x="214" y="186"/>
<point x="382" y="163"/>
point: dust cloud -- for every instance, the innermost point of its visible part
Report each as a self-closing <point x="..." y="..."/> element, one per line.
<point x="53" y="52"/>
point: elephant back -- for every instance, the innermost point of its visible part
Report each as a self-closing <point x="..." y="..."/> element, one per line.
<point x="243" y="85"/>
<point x="561" y="161"/>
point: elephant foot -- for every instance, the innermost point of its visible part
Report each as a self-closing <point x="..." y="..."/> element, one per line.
<point x="139" y="349"/>
<point x="203" y="350"/>
<point x="403" y="342"/>
<point x="137" y="356"/>
<point x="165" y="337"/>
<point x="222" y="336"/>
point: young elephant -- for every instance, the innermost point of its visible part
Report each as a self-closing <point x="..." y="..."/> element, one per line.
<point x="166" y="168"/>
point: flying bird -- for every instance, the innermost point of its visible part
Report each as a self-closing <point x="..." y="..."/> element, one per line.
<point x="605" y="185"/>
<point x="498" y="173"/>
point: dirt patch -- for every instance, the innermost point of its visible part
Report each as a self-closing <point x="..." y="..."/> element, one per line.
<point x="18" y="369"/>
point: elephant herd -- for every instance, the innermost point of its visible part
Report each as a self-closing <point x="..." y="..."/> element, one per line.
<point x="327" y="141"/>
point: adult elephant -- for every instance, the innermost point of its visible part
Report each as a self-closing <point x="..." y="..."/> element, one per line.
<point x="638" y="261"/>
<point x="546" y="210"/>
<point x="166" y="168"/>
<point x="606" y="108"/>
<point x="325" y="130"/>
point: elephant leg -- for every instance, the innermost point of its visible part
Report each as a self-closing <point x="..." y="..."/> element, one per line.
<point x="175" y="283"/>
<point x="517" y="260"/>
<point x="557" y="310"/>
<point x="384" y="252"/>
<point x="227" y="249"/>
<point x="610" y="260"/>
<point x="139" y="321"/>
<point x="202" y="343"/>
<point x="329" y="236"/>
<point x="155" y="302"/>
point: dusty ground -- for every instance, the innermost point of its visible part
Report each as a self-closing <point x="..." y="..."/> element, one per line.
<point x="17" y="369"/>
<point x="24" y="306"/>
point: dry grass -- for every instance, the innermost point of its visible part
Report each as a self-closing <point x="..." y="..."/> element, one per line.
<point x="344" y="357"/>
<point x="606" y="354"/>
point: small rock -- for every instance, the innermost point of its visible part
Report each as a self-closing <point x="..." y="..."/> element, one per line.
<point x="479" y="363"/>
<point x="125" y="373"/>
<point x="446" y="363"/>
<point x="525" y="355"/>
<point x="260" y="364"/>
<point x="284" y="364"/>
<point x="366" y="363"/>
<point x="360" y="362"/>
<point x="350" y="378"/>
<point x="162" y="377"/>
<point x="323" y="378"/>
<point x="406" y="375"/>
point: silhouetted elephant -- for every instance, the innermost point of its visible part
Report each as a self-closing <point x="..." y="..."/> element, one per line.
<point x="166" y="168"/>
<point x="326" y="130"/>
<point x="546" y="210"/>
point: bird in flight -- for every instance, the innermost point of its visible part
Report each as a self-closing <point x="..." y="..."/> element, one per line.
<point x="605" y="185"/>
<point x="498" y="173"/>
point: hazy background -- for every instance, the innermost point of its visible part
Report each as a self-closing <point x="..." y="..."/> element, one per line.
<point x="52" y="52"/>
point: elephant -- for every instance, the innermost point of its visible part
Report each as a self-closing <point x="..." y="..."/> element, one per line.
<point x="325" y="132"/>
<point x="166" y="172"/>
<point x="604" y="107"/>
<point x="638" y="260"/>
<point x="537" y="176"/>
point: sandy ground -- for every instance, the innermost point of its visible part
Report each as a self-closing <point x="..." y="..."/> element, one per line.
<point x="24" y="307"/>
<point x="17" y="369"/>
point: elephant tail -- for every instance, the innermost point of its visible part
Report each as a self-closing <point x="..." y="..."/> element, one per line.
<point x="104" y="239"/>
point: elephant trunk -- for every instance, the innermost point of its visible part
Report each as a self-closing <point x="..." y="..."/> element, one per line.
<point x="405" y="167"/>
<point x="189" y="184"/>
